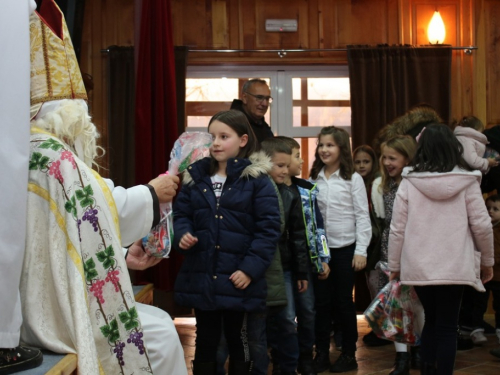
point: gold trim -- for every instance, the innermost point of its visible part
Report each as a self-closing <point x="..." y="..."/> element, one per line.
<point x="46" y="59"/>
<point x="61" y="222"/>
<point x="59" y="97"/>
<point x="108" y="195"/>
<point x="37" y="130"/>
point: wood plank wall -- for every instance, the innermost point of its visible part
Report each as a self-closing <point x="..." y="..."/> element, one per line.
<point x="106" y="23"/>
<point x="239" y="24"/>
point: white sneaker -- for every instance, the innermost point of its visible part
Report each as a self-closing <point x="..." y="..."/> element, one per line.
<point x="497" y="331"/>
<point x="478" y="336"/>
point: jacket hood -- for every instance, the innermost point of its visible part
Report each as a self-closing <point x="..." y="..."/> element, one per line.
<point x="461" y="131"/>
<point x="257" y="164"/>
<point x="440" y="186"/>
<point x="411" y="123"/>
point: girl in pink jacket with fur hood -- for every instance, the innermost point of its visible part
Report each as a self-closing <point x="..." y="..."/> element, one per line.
<point x="469" y="133"/>
<point x="440" y="240"/>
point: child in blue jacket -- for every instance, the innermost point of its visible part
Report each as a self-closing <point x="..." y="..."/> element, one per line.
<point x="227" y="224"/>
<point x="319" y="256"/>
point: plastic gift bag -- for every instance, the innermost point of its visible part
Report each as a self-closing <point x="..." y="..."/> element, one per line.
<point x="396" y="314"/>
<point x="190" y="147"/>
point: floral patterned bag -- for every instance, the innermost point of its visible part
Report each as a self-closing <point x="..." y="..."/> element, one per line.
<point x="396" y="314"/>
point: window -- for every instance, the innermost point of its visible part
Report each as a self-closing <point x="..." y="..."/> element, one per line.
<point x="305" y="99"/>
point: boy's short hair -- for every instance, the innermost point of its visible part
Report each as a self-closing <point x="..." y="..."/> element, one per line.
<point x="493" y="198"/>
<point x="292" y="143"/>
<point x="275" y="145"/>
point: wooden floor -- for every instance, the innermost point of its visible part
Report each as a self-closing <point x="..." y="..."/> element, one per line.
<point x="373" y="360"/>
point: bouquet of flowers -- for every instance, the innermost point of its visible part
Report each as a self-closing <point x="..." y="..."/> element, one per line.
<point x="190" y="147"/>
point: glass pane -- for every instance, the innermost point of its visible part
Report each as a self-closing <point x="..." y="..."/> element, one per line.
<point x="296" y="116"/>
<point x="324" y="116"/>
<point x="198" y="121"/>
<point x="211" y="89"/>
<point x="328" y="89"/>
<point x="296" y="88"/>
<point x="311" y="144"/>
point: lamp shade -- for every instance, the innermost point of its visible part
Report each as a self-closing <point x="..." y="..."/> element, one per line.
<point x="436" y="31"/>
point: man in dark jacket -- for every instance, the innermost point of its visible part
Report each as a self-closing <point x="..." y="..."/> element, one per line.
<point x="254" y="103"/>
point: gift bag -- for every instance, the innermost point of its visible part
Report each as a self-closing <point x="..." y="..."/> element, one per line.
<point x="396" y="314"/>
<point x="190" y="147"/>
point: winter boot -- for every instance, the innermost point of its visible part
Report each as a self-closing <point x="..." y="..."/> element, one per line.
<point x="428" y="369"/>
<point x="415" y="358"/>
<point x="306" y="366"/>
<point x="204" y="368"/>
<point x="346" y="362"/>
<point x="239" y="367"/>
<point x="322" y="361"/>
<point x="401" y="364"/>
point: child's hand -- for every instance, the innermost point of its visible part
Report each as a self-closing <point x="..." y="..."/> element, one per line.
<point x="486" y="274"/>
<point x="358" y="262"/>
<point x="302" y="285"/>
<point x="492" y="162"/>
<point x="187" y="241"/>
<point x="326" y="271"/>
<point x="240" y="279"/>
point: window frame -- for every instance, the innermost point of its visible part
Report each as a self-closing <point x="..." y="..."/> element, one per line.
<point x="281" y="90"/>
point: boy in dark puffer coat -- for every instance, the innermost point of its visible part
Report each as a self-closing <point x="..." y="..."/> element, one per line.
<point x="282" y="329"/>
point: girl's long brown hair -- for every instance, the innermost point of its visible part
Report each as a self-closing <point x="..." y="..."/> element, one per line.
<point x="341" y="138"/>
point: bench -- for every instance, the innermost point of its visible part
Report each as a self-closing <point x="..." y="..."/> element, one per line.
<point x="65" y="364"/>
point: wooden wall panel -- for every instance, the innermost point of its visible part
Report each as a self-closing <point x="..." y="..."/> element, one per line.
<point x="239" y="24"/>
<point x="370" y="22"/>
<point x="220" y="30"/>
<point x="295" y="9"/>
<point x="492" y="61"/>
<point x="106" y="23"/>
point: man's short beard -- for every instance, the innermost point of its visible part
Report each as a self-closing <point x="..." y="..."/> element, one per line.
<point x="71" y="123"/>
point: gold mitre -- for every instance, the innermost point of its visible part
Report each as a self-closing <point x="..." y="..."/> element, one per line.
<point x="55" y="73"/>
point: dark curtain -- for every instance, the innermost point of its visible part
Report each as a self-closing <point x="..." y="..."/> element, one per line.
<point x="121" y="115"/>
<point x="181" y="55"/>
<point x="386" y="81"/>
<point x="156" y="110"/>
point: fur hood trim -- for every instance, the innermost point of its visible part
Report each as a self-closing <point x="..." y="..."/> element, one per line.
<point x="403" y="124"/>
<point x="259" y="163"/>
<point x="408" y="121"/>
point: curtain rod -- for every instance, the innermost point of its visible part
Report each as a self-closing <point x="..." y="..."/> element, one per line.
<point x="282" y="52"/>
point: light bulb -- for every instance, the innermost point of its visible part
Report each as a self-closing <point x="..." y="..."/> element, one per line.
<point x="436" y="30"/>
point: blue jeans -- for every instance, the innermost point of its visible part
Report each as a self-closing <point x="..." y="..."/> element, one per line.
<point x="257" y="342"/>
<point x="282" y="330"/>
<point x="306" y="313"/>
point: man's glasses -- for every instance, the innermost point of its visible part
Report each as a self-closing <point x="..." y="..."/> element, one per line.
<point x="261" y="98"/>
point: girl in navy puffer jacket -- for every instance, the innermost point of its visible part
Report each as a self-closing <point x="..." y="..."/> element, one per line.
<point x="227" y="225"/>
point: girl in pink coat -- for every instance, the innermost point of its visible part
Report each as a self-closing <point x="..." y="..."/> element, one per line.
<point x="469" y="133"/>
<point x="440" y="240"/>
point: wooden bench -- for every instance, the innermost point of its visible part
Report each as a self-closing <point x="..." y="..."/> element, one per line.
<point x="61" y="364"/>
